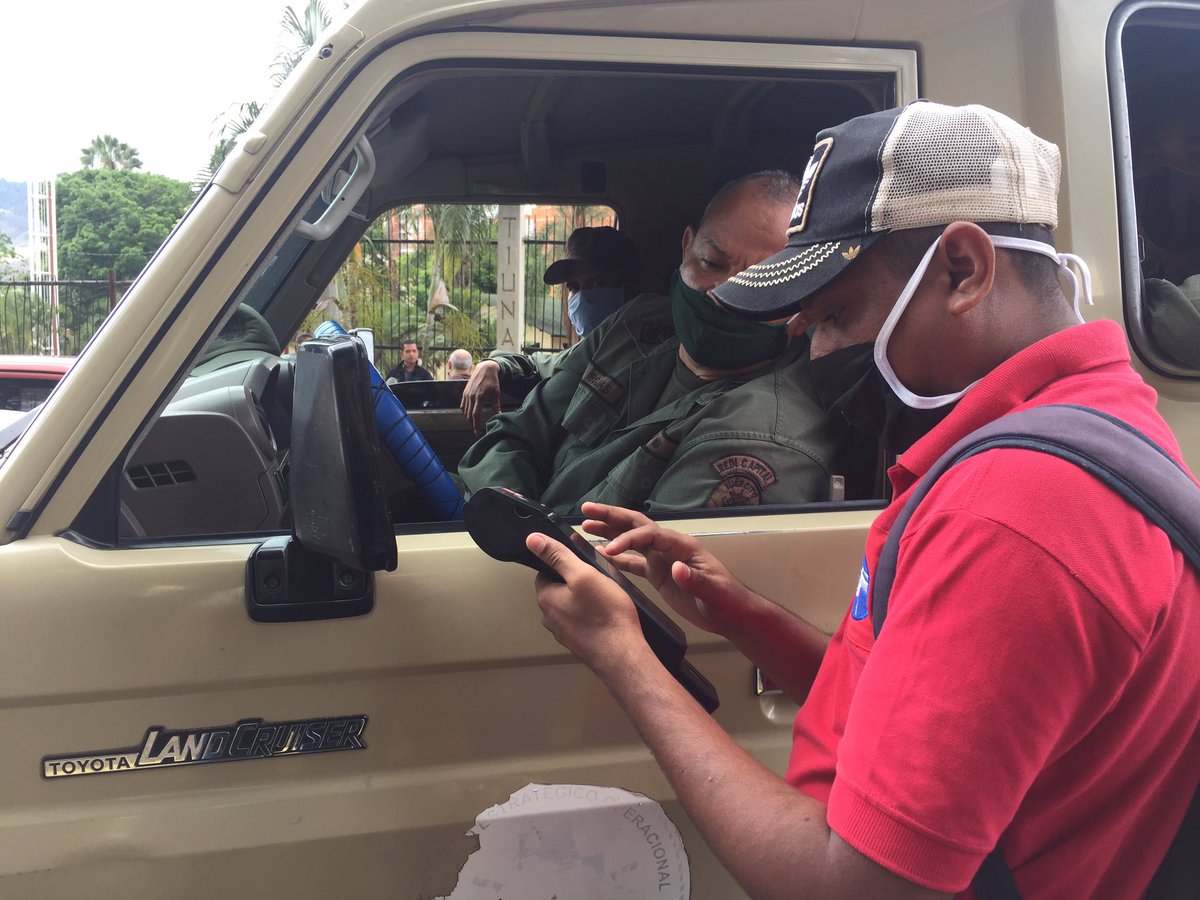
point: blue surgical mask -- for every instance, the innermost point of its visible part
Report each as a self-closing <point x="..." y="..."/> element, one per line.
<point x="591" y="306"/>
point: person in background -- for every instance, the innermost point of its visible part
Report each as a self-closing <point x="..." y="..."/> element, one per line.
<point x="458" y="365"/>
<point x="410" y="368"/>
<point x="600" y="269"/>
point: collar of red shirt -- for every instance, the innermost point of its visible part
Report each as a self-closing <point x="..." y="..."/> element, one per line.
<point x="1011" y="384"/>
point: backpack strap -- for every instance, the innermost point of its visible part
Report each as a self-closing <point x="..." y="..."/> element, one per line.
<point x="1113" y="451"/>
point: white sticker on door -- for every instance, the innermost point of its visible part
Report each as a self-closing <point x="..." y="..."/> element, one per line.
<point x="575" y="840"/>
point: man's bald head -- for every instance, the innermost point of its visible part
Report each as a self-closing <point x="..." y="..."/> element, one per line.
<point x="770" y="186"/>
<point x="744" y="223"/>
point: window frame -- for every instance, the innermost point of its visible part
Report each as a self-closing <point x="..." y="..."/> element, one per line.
<point x="1132" y="282"/>
<point x="642" y="54"/>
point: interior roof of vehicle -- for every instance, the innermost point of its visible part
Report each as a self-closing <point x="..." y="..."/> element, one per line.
<point x="654" y="145"/>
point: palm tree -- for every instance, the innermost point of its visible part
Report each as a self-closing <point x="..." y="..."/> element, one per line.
<point x="304" y="27"/>
<point x="106" y="152"/>
<point x="452" y="227"/>
<point x="230" y="125"/>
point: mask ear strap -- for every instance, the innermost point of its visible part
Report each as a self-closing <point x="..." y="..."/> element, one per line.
<point x="1065" y="262"/>
<point x="907" y="397"/>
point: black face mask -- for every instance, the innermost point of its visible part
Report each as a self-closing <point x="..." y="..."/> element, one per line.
<point x="848" y="382"/>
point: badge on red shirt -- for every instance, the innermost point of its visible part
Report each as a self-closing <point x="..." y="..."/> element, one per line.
<point x="858" y="607"/>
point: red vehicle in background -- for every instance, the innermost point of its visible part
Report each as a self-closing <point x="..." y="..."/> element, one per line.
<point x="26" y="381"/>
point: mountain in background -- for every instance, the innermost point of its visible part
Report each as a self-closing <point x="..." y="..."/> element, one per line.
<point x="13" y="213"/>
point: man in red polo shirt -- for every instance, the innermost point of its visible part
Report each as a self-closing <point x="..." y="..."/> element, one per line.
<point x="1034" y="689"/>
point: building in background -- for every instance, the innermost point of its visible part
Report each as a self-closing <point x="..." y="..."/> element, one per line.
<point x="43" y="253"/>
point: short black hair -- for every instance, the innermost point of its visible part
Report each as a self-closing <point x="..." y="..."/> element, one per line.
<point x="404" y="343"/>
<point x="1039" y="274"/>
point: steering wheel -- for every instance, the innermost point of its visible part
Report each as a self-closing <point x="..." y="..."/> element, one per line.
<point x="407" y="445"/>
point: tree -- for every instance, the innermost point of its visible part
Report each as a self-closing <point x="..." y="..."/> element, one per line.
<point x="453" y="228"/>
<point x="106" y="152"/>
<point x="13" y="266"/>
<point x="114" y="219"/>
<point x="232" y="124"/>
<point x="303" y="28"/>
<point x="8" y="253"/>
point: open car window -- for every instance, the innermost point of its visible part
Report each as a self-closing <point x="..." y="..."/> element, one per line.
<point x="555" y="148"/>
<point x="1156" y="59"/>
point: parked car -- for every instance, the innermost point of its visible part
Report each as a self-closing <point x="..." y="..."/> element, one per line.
<point x="146" y="515"/>
<point x="26" y="381"/>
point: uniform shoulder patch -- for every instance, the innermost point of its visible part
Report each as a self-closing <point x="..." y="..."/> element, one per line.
<point x="743" y="480"/>
<point x="603" y="384"/>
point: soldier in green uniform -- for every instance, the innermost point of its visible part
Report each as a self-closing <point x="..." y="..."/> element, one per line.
<point x="599" y="269"/>
<point x="672" y="403"/>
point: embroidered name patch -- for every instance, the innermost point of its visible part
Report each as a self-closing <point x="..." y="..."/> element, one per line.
<point x="743" y="480"/>
<point x="603" y="385"/>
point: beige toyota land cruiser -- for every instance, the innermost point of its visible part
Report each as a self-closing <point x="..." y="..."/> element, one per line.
<point x="193" y="703"/>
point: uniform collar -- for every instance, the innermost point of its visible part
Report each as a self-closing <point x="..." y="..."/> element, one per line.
<point x="1013" y="383"/>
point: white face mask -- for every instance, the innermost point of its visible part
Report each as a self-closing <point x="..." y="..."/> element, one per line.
<point x="916" y="401"/>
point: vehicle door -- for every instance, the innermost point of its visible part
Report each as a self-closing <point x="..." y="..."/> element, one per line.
<point x="442" y="701"/>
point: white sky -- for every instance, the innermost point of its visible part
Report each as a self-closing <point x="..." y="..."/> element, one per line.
<point x="152" y="73"/>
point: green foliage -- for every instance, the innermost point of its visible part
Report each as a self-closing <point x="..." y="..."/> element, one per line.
<point x="24" y="320"/>
<point x="6" y="247"/>
<point x="9" y="260"/>
<point x="230" y="126"/>
<point x="387" y="283"/>
<point x="453" y="228"/>
<point x="112" y="218"/>
<point x="106" y="152"/>
<point x="303" y="29"/>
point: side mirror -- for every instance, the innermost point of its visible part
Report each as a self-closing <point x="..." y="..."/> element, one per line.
<point x="342" y="529"/>
<point x="338" y="509"/>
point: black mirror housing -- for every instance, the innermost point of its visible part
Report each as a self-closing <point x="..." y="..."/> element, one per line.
<point x="338" y="508"/>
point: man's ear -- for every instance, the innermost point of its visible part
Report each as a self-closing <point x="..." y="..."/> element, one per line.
<point x="970" y="260"/>
<point x="689" y="235"/>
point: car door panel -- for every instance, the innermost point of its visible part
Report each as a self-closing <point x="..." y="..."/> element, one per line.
<point x="467" y="698"/>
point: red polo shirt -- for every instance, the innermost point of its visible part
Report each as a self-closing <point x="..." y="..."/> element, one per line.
<point x="1037" y="683"/>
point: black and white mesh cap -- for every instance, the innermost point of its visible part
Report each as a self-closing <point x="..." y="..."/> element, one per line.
<point x="911" y="167"/>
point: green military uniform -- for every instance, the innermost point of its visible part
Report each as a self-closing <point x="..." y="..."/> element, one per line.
<point x="621" y="421"/>
<point x="520" y="373"/>
<point x="1172" y="314"/>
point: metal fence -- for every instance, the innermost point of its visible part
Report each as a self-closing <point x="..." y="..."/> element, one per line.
<point x="37" y="315"/>
<point x="387" y="285"/>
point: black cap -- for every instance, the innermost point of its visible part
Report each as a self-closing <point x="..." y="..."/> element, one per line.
<point x="915" y="166"/>
<point x="602" y="247"/>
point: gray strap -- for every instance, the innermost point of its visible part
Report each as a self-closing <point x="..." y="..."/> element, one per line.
<point x="1111" y="450"/>
<point x="1121" y="457"/>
